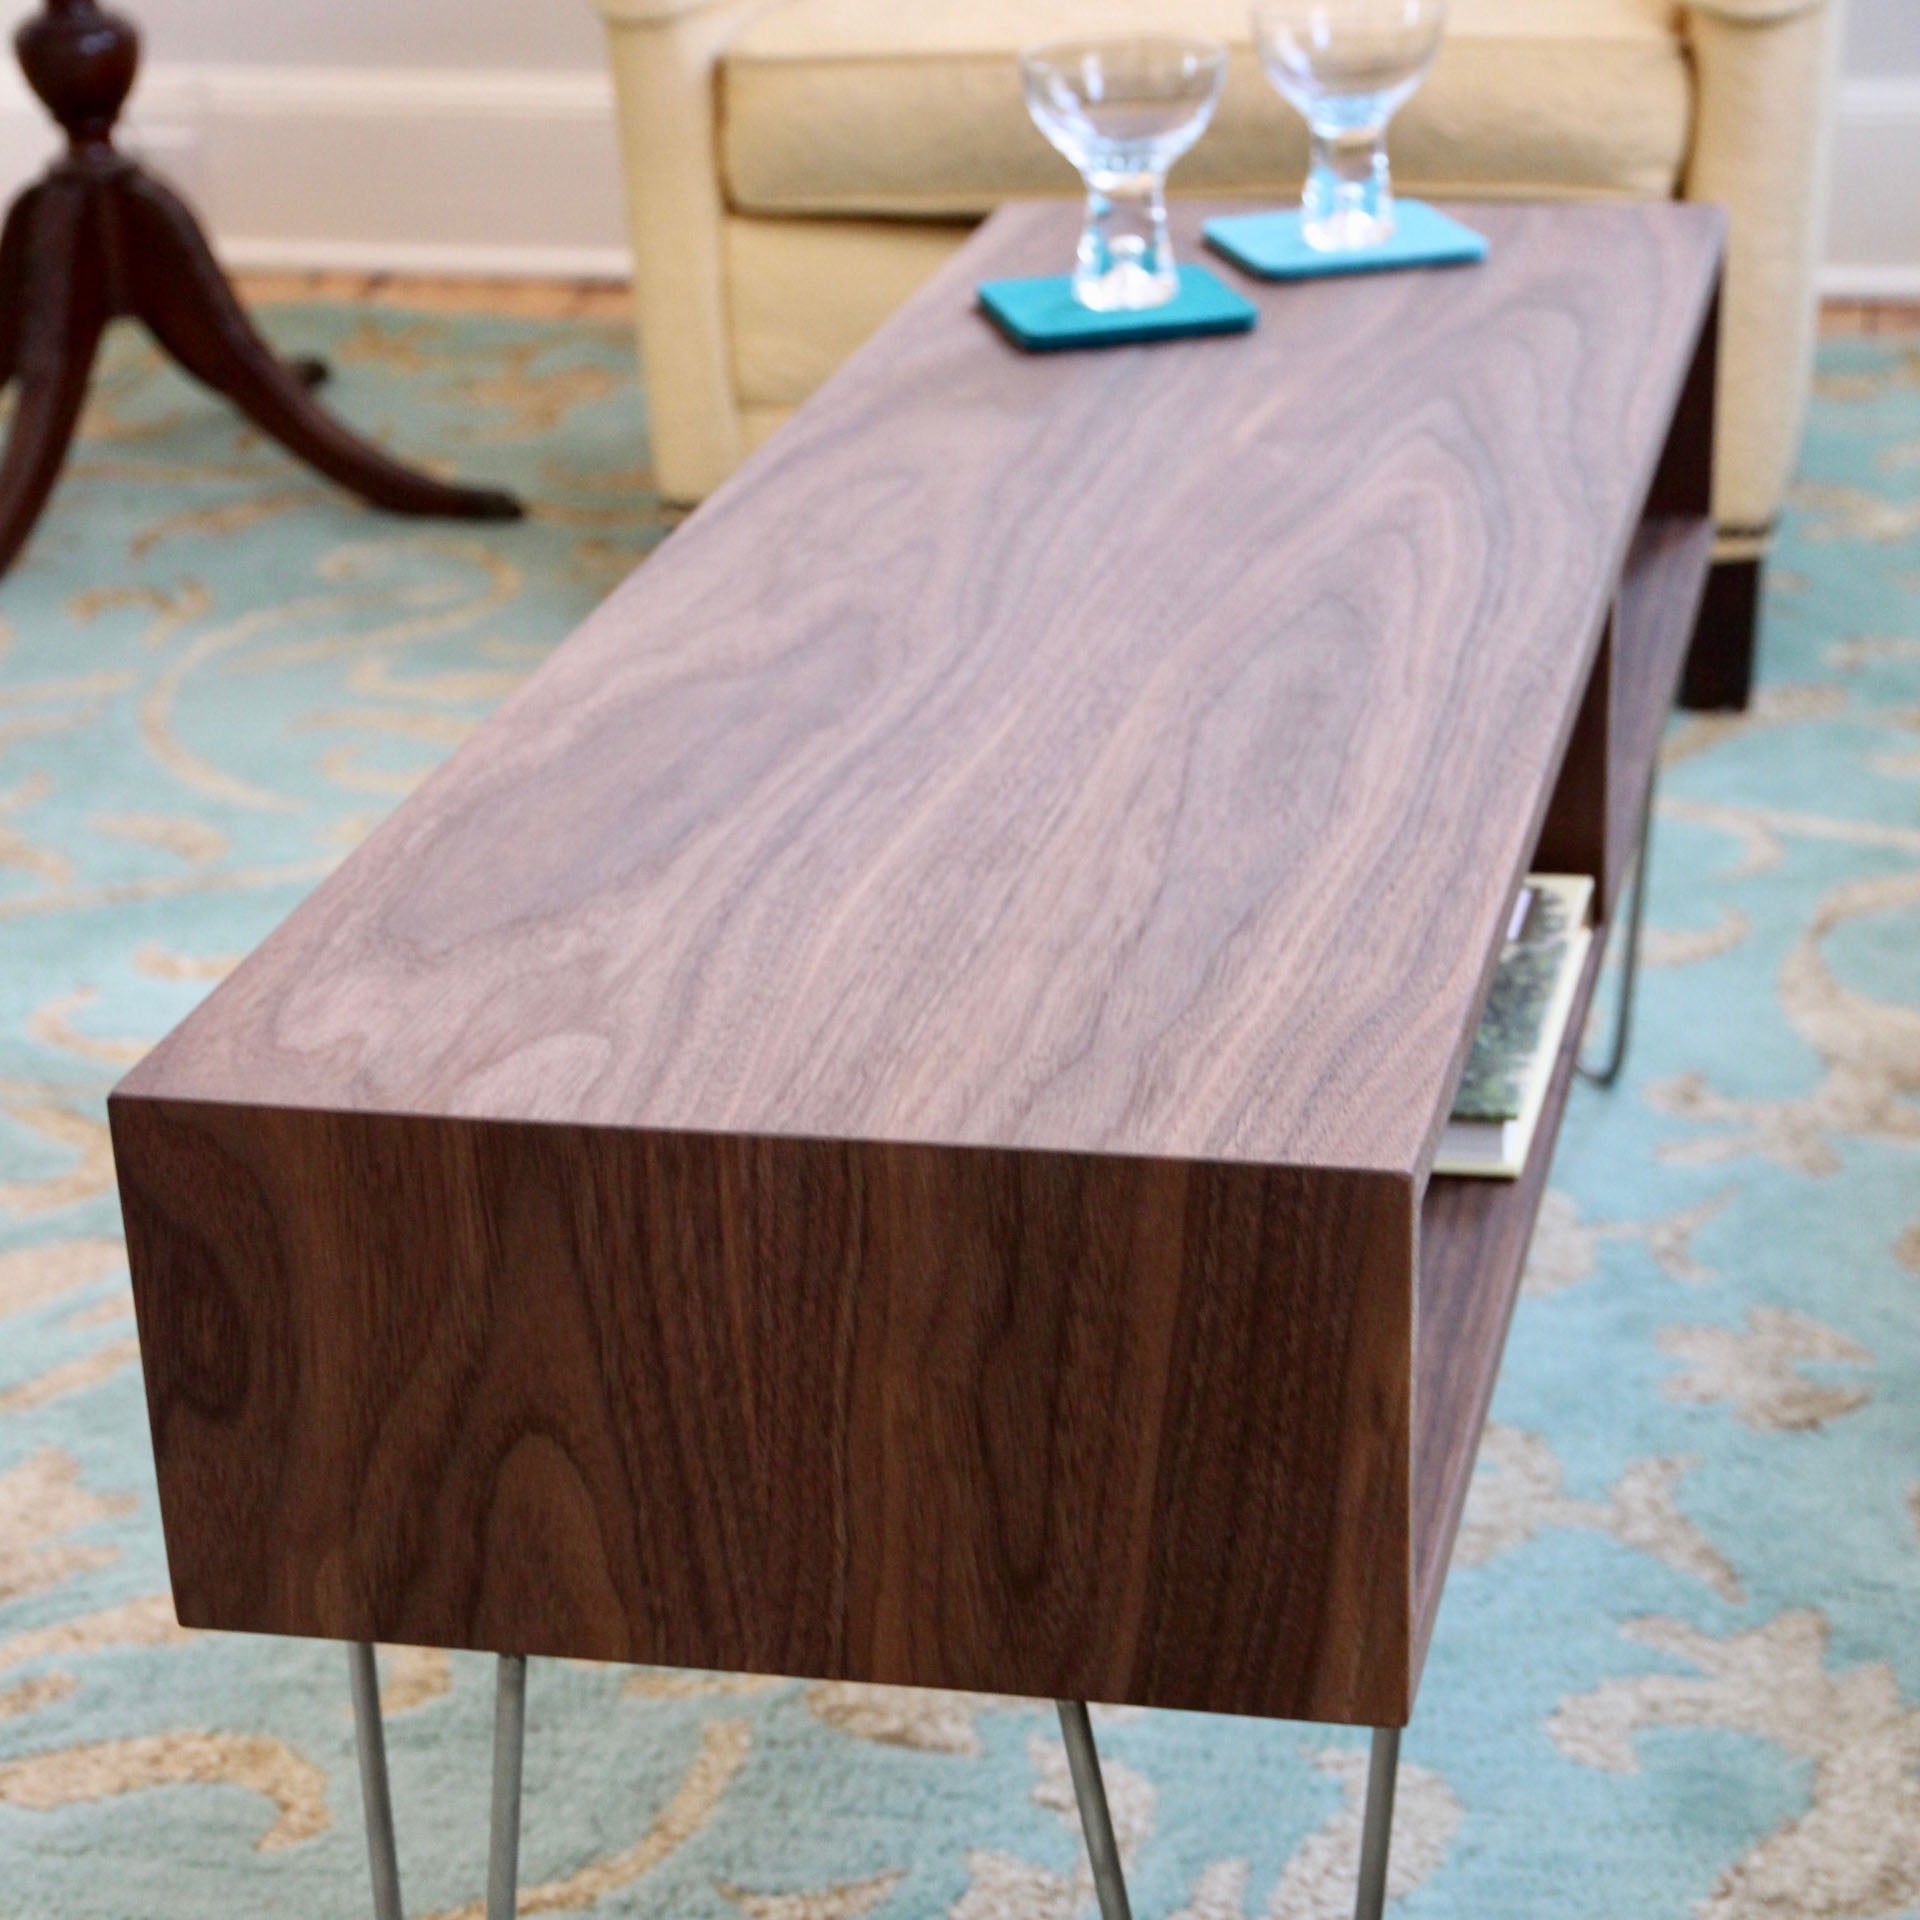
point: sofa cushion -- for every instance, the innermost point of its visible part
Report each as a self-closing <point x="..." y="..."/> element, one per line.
<point x="804" y="294"/>
<point x="914" y="106"/>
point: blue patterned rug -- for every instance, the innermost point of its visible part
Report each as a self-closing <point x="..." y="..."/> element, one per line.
<point x="1678" y="1667"/>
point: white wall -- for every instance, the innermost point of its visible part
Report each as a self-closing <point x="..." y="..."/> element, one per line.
<point x="542" y="35"/>
<point x="476" y="135"/>
<point x="1883" y="36"/>
<point x="1873" y="239"/>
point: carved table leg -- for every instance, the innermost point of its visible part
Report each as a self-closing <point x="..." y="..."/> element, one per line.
<point x="98" y="238"/>
<point x="176" y="287"/>
<point x="13" y="276"/>
<point x="63" y="308"/>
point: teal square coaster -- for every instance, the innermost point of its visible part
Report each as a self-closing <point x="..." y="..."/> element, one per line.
<point x="1271" y="245"/>
<point x="1042" y="315"/>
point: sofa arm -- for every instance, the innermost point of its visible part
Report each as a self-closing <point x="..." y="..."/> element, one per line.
<point x="1764" y="83"/>
<point x="663" y="54"/>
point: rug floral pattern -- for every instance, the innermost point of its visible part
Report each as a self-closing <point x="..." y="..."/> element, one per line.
<point x="1678" y="1667"/>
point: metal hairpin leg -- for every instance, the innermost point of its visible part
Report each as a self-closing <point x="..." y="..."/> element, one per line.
<point x="1607" y="1073"/>
<point x="1090" y="1791"/>
<point x="1376" y="1830"/>
<point x="509" y="1741"/>
<point x="370" y="1738"/>
<point x="1109" y="1881"/>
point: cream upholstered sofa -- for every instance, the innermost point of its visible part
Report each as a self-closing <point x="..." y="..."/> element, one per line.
<point x="795" y="168"/>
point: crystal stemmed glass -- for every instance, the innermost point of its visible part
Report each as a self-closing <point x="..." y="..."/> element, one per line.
<point x="1347" y="66"/>
<point x="1123" y="111"/>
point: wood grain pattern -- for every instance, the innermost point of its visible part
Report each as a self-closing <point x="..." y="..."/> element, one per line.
<point x="1080" y="1427"/>
<point x="873" y="1122"/>
<point x="1019" y="749"/>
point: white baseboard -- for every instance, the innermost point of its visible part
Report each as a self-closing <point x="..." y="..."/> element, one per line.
<point x="1873" y="226"/>
<point x="1896" y="286"/>
<point x="374" y="170"/>
<point x="432" y="260"/>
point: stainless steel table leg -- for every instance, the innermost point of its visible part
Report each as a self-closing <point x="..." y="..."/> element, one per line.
<point x="509" y="1740"/>
<point x="370" y="1738"/>
<point x="1608" y="1072"/>
<point x="1376" y="1831"/>
<point x="1109" y="1882"/>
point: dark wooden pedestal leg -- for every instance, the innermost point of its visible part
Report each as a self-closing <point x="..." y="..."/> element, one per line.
<point x="13" y="278"/>
<point x="1719" y="675"/>
<point x="175" y="285"/>
<point x="97" y="238"/>
<point x="59" y="306"/>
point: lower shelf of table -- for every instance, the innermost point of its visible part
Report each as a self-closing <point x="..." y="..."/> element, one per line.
<point x="1474" y="1233"/>
<point x="1473" y="1247"/>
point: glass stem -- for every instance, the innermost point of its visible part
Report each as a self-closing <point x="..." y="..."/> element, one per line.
<point x="1348" y="201"/>
<point x="1125" y="259"/>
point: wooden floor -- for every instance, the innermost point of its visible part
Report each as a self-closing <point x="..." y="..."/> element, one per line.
<point x="517" y="299"/>
<point x="1842" y="317"/>
<point x="612" y="300"/>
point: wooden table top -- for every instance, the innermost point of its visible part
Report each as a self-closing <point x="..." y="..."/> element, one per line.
<point x="1122" y="752"/>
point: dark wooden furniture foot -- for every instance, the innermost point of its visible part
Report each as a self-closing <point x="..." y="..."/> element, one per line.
<point x="174" y="284"/>
<point x="61" y="304"/>
<point x="1719" y="676"/>
<point x="98" y="238"/>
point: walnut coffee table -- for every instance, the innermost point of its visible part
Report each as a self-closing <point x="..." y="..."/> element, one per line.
<point x="875" y="1123"/>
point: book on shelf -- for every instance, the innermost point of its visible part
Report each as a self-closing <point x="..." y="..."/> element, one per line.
<point x="1510" y="1065"/>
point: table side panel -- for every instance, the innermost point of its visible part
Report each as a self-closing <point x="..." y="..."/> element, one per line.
<point x="1081" y="1427"/>
<point x="1660" y="598"/>
<point x="1473" y="1249"/>
<point x="1576" y="836"/>
<point x="1474" y="1234"/>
